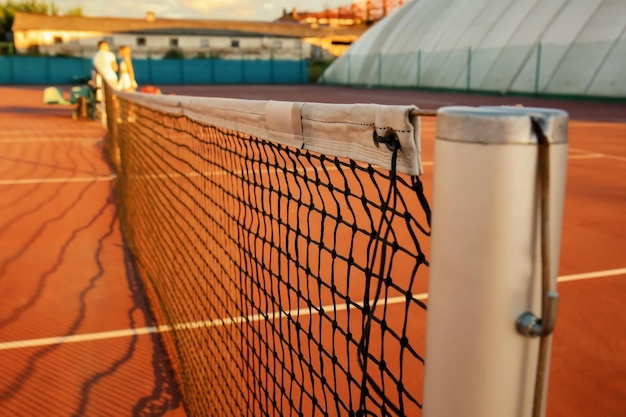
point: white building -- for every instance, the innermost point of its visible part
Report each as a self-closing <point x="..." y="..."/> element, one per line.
<point x="78" y="36"/>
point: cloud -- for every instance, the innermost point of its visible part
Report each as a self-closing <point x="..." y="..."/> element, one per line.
<point x="206" y="6"/>
<point x="232" y="9"/>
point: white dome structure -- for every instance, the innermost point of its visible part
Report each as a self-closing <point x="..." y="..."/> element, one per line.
<point x="561" y="47"/>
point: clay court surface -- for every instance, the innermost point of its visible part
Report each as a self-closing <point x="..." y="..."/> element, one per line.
<point x="75" y="335"/>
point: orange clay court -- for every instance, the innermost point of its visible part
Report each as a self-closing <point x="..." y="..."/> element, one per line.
<point x="76" y="336"/>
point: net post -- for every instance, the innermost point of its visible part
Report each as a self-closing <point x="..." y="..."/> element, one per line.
<point x="537" y="68"/>
<point x="488" y="266"/>
<point x="469" y="69"/>
<point x="419" y="66"/>
<point x="380" y="69"/>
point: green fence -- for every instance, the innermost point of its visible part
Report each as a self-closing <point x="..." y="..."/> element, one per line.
<point x="25" y="70"/>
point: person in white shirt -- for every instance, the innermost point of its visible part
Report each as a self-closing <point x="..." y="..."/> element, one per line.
<point x="104" y="67"/>
<point x="105" y="64"/>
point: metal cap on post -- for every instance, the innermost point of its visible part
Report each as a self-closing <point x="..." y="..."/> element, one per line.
<point x="499" y="183"/>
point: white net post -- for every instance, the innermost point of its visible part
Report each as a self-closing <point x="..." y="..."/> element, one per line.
<point x="487" y="259"/>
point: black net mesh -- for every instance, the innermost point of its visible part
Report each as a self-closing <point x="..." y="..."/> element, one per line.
<point x="285" y="281"/>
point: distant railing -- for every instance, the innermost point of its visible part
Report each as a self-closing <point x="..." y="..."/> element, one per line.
<point x="37" y="70"/>
<point x="537" y="69"/>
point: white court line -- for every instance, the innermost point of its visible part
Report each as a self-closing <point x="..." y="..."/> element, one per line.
<point x="586" y="154"/>
<point x="47" y="140"/>
<point x="576" y="150"/>
<point x="584" y="123"/>
<point x="592" y="275"/>
<point x="58" y="340"/>
<point x="582" y="155"/>
<point x="18" y="181"/>
<point x="56" y="180"/>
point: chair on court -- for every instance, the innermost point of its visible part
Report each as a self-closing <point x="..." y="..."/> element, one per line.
<point x="79" y="91"/>
<point x="84" y="98"/>
<point x="54" y="95"/>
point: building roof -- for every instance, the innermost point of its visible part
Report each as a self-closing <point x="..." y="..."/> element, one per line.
<point x="29" y="21"/>
<point x="200" y="32"/>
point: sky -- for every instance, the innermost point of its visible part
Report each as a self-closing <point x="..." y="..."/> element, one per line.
<point x="259" y="10"/>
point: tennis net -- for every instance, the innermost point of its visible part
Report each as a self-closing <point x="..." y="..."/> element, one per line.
<point x="284" y="246"/>
<point x="287" y="274"/>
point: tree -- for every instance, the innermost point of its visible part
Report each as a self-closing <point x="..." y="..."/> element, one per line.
<point x="10" y="7"/>
<point x="174" y="53"/>
<point x="75" y="11"/>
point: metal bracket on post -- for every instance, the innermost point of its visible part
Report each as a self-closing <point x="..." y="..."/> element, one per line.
<point x="530" y="325"/>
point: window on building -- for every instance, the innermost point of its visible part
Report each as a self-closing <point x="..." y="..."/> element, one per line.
<point x="141" y="41"/>
<point x="234" y="43"/>
<point x="109" y="40"/>
<point x="276" y="45"/>
<point x="174" y="42"/>
<point x="58" y="39"/>
<point x="204" y="43"/>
